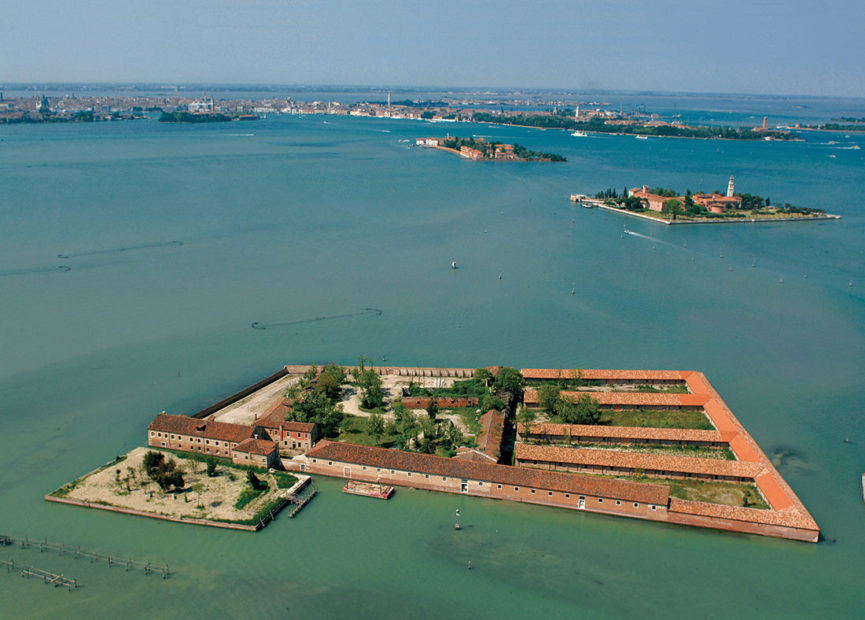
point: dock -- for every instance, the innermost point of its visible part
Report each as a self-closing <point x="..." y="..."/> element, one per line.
<point x="94" y="556"/>
<point x="368" y="489"/>
<point x="47" y="577"/>
<point x="301" y="497"/>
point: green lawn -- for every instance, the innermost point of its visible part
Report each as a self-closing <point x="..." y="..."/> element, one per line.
<point x="657" y="419"/>
<point x="470" y="417"/>
<point x="354" y="430"/>
<point x="702" y="452"/>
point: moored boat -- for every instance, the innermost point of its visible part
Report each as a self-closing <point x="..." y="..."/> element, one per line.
<point x="367" y="489"/>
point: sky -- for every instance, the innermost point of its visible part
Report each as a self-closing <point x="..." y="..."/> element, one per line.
<point x="754" y="46"/>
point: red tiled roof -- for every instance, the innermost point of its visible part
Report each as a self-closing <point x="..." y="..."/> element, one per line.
<point x="274" y="417"/>
<point x="262" y="447"/>
<point x="602" y="375"/>
<point x="503" y="474"/>
<point x="636" y="460"/>
<point x="471" y="454"/>
<point x="621" y="432"/>
<point x="206" y="429"/>
<point x="788" y="517"/>
<point x="490" y="435"/>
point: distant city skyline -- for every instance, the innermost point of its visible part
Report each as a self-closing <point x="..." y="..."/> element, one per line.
<point x="786" y="48"/>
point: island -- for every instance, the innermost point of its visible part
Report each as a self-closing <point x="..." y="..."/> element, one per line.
<point x="668" y="206"/>
<point x="603" y="121"/>
<point x="656" y="445"/>
<point x="481" y="149"/>
<point x="203" y="117"/>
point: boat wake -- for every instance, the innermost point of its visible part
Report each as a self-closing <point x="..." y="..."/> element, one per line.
<point x="317" y="319"/>
<point x="4" y="273"/>
<point x="131" y="248"/>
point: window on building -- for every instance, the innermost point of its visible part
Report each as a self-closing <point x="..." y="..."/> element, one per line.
<point x="314" y="461"/>
<point x="330" y="463"/>
<point x="364" y="468"/>
<point x="516" y="488"/>
<point x="426" y="476"/>
<point x="636" y="505"/>
<point x="567" y="496"/>
<point x="618" y="502"/>
<point x="498" y="486"/>
<point x="444" y="478"/>
<point x="480" y="484"/>
<point x="533" y="490"/>
<point x="654" y="507"/>
<point x="408" y="473"/>
<point x="550" y="493"/>
<point x="600" y="500"/>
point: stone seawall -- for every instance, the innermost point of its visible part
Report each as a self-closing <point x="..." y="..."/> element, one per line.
<point x="151" y="515"/>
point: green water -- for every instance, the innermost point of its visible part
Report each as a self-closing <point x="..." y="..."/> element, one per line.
<point x="323" y="216"/>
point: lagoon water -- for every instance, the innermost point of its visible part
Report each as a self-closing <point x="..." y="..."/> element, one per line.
<point x="174" y="239"/>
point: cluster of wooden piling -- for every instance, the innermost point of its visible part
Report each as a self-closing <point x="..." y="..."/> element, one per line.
<point x="76" y="552"/>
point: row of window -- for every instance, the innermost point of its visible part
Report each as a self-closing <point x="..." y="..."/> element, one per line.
<point x="191" y="439"/>
<point x="498" y="486"/>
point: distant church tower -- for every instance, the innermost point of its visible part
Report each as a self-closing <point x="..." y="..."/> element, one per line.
<point x="577" y="113"/>
<point x="730" y="188"/>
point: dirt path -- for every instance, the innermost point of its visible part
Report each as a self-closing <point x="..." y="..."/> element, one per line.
<point x="246" y="410"/>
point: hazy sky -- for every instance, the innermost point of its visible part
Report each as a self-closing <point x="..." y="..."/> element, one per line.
<point x="753" y="46"/>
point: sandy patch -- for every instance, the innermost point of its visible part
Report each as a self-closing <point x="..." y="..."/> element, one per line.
<point x="203" y="497"/>
<point x="246" y="410"/>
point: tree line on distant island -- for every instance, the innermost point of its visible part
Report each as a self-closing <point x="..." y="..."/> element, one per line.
<point x="489" y="149"/>
<point x="599" y="125"/>
<point x="677" y="203"/>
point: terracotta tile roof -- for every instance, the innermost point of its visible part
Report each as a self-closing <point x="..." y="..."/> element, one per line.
<point x="256" y="446"/>
<point x="787" y="517"/>
<point x="502" y="474"/>
<point x="274" y="417"/>
<point x="602" y="375"/>
<point x="472" y="454"/>
<point x="636" y="460"/>
<point x="206" y="429"/>
<point x="490" y="435"/>
<point x="620" y="432"/>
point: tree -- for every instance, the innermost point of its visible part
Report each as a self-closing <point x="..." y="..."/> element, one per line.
<point x="375" y="426"/>
<point x="586" y="410"/>
<point x="432" y="409"/>
<point x="371" y="394"/>
<point x="526" y="416"/>
<point x="548" y="398"/>
<point x="330" y="381"/>
<point x="316" y="407"/>
<point x="211" y="466"/>
<point x="491" y="401"/>
<point x="483" y="375"/>
<point x="510" y="380"/>
<point x="254" y="481"/>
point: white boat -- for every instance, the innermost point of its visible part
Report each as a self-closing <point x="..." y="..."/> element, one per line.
<point x="642" y="137"/>
<point x="579" y="134"/>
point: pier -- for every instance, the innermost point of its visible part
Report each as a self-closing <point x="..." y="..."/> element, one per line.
<point x="300" y="498"/>
<point x="47" y="577"/>
<point x="94" y="556"/>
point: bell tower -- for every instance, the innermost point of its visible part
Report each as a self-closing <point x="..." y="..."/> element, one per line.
<point x="730" y="188"/>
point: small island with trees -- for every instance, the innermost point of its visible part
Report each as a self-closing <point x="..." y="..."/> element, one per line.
<point x="629" y="125"/>
<point x="203" y="117"/>
<point x="669" y="206"/>
<point x="481" y="149"/>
